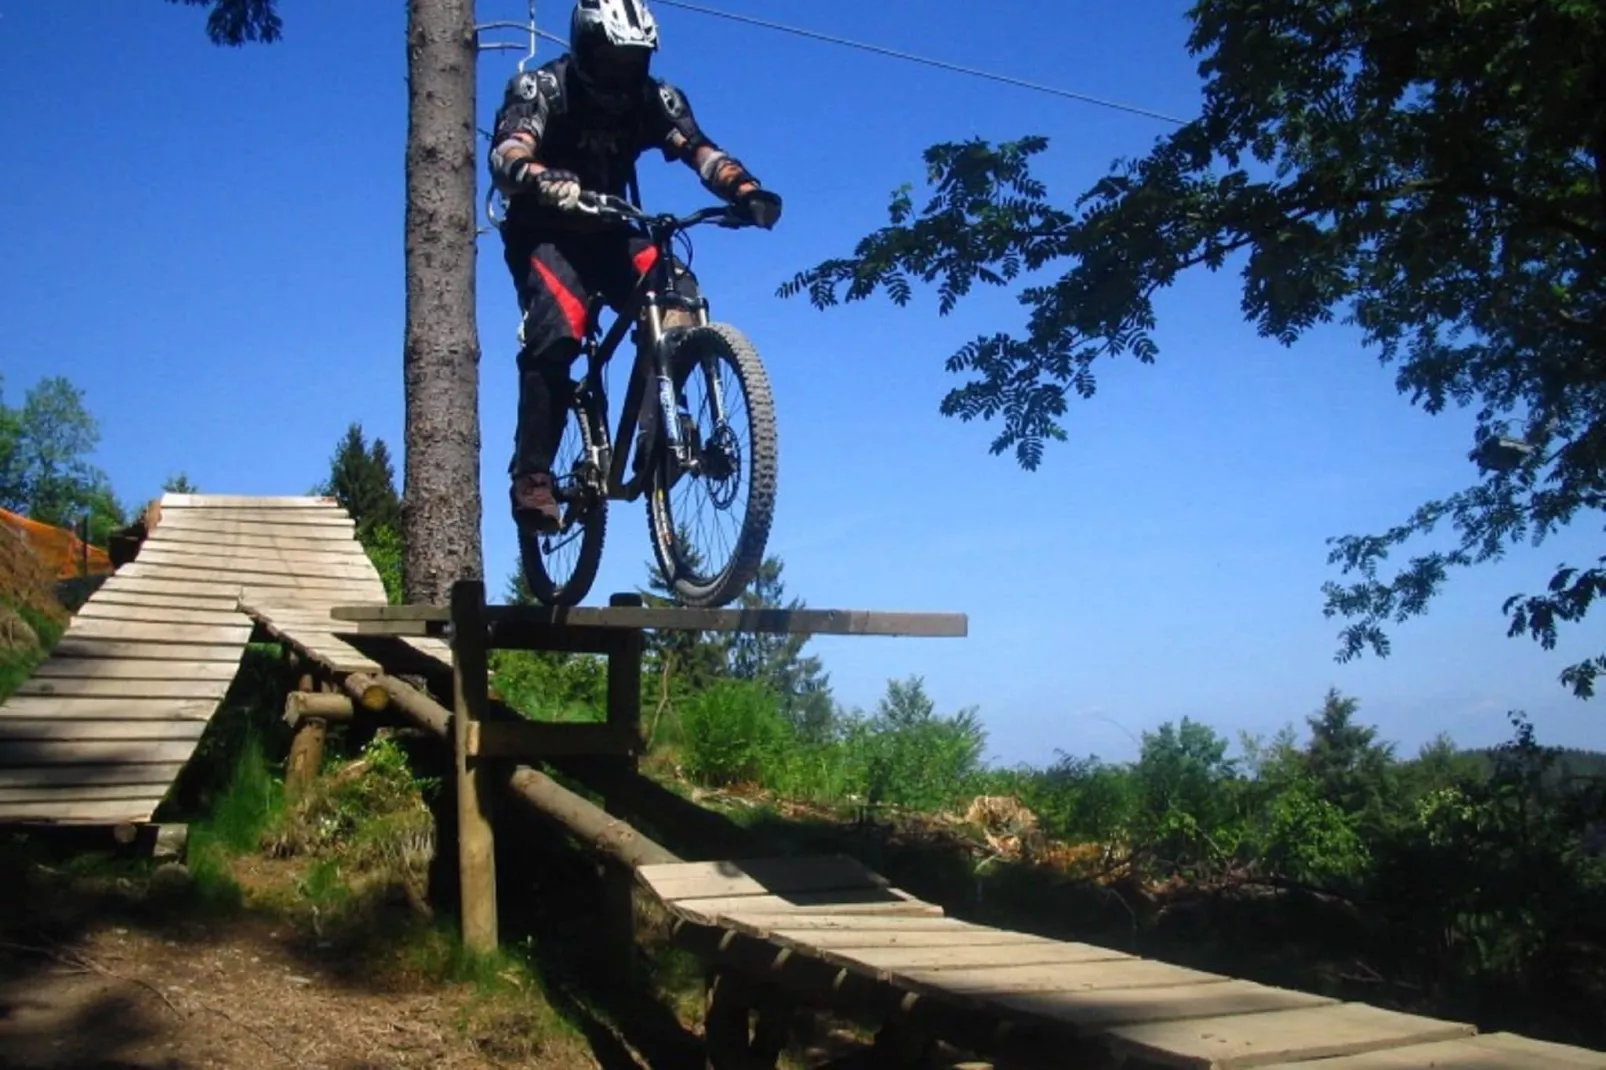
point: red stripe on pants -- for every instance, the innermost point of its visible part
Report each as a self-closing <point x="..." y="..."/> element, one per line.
<point x="645" y="259"/>
<point x="573" y="309"/>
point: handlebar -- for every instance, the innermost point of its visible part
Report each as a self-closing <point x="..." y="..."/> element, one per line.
<point x="611" y="207"/>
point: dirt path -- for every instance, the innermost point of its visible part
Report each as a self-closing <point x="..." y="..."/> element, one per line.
<point x="230" y="996"/>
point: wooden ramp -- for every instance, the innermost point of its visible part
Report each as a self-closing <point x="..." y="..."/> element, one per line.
<point x="101" y="730"/>
<point x="830" y="925"/>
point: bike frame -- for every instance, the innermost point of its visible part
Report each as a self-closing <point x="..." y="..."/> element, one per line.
<point x="644" y="409"/>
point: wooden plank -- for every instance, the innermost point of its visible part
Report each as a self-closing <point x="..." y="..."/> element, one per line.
<point x="201" y="572"/>
<point x="136" y="752"/>
<point x="58" y="794"/>
<point x="1100" y="1010"/>
<point x="249" y="568"/>
<point x="105" y="811"/>
<point x="14" y="730"/>
<point x="178" y="538"/>
<point x="707" y="880"/>
<point x="801" y="621"/>
<point x="64" y="776"/>
<point x="1244" y="1040"/>
<point x="888" y="961"/>
<point x="256" y="521"/>
<point x="863" y="901"/>
<point x="329" y="650"/>
<point x="114" y="595"/>
<point x="315" y="553"/>
<point x="850" y="941"/>
<point x="172" y="500"/>
<point x="130" y="631"/>
<point x="145" y="583"/>
<point x="123" y="688"/>
<point x="94" y="610"/>
<point x="96" y="648"/>
<point x="1069" y="977"/>
<point x="124" y="709"/>
<point x="1495" y="1051"/>
<point x="529" y="740"/>
<point x="132" y="669"/>
<point x="809" y="925"/>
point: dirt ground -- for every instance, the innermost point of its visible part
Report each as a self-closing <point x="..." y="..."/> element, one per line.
<point x="221" y="997"/>
<point x="99" y="973"/>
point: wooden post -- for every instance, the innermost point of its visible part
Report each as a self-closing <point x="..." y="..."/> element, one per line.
<point x="476" y="843"/>
<point x="624" y="716"/>
<point x="309" y="714"/>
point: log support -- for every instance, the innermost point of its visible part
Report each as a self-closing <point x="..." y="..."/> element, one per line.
<point x="309" y="713"/>
<point x="476" y="843"/>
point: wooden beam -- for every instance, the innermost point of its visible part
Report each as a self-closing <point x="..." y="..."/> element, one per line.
<point x="426" y="620"/>
<point x="532" y="740"/>
<point x="476" y="844"/>
<point x="315" y="705"/>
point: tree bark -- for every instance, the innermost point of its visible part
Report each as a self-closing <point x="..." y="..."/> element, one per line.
<point x="441" y="496"/>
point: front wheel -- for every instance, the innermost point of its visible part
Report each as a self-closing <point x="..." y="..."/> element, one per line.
<point x="559" y="568"/>
<point x="728" y="424"/>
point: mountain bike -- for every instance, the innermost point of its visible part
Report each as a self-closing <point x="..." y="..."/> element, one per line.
<point x="673" y="450"/>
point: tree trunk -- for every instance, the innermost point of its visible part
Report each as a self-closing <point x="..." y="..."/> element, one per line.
<point x="441" y="496"/>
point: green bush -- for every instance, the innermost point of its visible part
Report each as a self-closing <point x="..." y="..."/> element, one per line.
<point x="733" y="732"/>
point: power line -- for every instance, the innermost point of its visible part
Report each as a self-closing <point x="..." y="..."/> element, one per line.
<point x="943" y="64"/>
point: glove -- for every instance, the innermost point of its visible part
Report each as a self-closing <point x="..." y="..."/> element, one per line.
<point x="762" y="206"/>
<point x="556" y="189"/>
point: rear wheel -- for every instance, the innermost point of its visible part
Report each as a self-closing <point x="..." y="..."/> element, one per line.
<point x="559" y="568"/>
<point x="729" y="420"/>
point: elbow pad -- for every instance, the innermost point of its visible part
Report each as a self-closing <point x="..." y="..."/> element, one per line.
<point x="722" y="173"/>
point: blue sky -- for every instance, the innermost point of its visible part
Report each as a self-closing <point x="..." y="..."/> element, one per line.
<point x="209" y="242"/>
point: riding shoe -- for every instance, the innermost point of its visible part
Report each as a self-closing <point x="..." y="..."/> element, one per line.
<point x="534" y="506"/>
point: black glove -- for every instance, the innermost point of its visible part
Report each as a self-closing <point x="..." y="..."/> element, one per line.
<point x="556" y="189"/>
<point x="762" y="206"/>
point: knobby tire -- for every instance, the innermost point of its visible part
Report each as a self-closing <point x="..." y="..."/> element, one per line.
<point x="594" y="531"/>
<point x="760" y="463"/>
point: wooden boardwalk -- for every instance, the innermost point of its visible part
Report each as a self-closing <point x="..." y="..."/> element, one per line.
<point x="106" y="724"/>
<point x="101" y="730"/>
<point x="828" y="925"/>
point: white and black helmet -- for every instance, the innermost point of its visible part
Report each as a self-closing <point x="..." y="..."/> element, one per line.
<point x="612" y="42"/>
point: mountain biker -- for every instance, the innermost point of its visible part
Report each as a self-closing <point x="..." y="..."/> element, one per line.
<point x="580" y="122"/>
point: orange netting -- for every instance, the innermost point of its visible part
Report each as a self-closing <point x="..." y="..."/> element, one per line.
<point x="61" y="552"/>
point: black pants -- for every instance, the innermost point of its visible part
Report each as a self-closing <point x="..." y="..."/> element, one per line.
<point x="556" y="274"/>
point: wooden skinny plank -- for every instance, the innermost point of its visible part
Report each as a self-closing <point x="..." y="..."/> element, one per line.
<point x="134" y="752"/>
<point x="78" y="687"/>
<point x="1498" y="1051"/>
<point x="133" y="669"/>
<point x="109" y="595"/>
<point x="58" y="794"/>
<point x="873" y="901"/>
<point x="124" y="631"/>
<point x="174" y="500"/>
<point x="17" y="729"/>
<point x="92" y="648"/>
<point x="97" y="610"/>
<point x="102" y="811"/>
<point x="801" y="621"/>
<point x="124" y="709"/>
<point x="1102" y="1009"/>
<point x="148" y="583"/>
<point x="889" y="961"/>
<point x="1264" y="1039"/>
<point x="263" y="565"/>
<point x="1069" y="977"/>
<point x="790" y="922"/>
<point x="319" y="552"/>
<point x="852" y="941"/>
<point x="707" y="880"/>
<point x="257" y="521"/>
<point x="66" y="775"/>
<point x="188" y="539"/>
